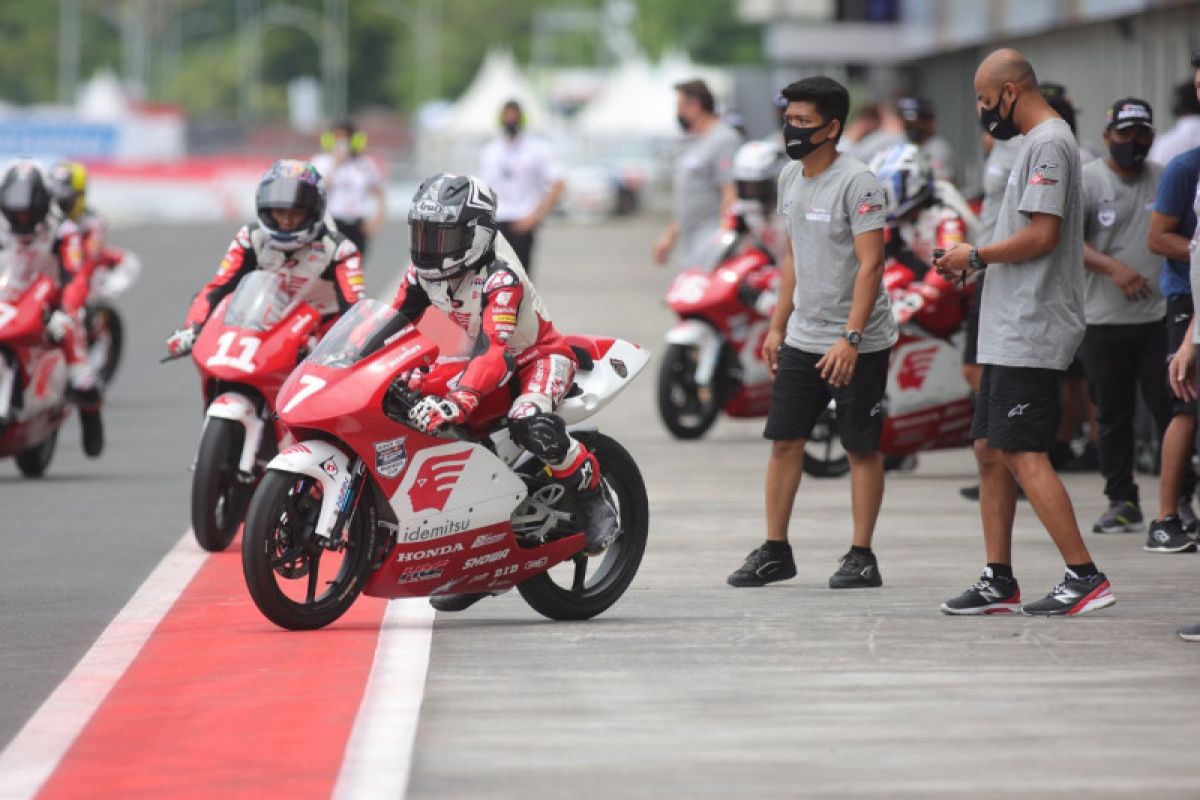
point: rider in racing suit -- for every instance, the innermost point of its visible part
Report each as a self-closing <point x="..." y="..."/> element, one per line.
<point x="68" y="182"/>
<point x="53" y="246"/>
<point x="924" y="215"/>
<point x="456" y="269"/>
<point x="292" y="236"/>
<point x="756" y="168"/>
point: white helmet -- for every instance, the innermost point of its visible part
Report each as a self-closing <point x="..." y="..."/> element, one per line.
<point x="906" y="175"/>
<point x="756" y="168"/>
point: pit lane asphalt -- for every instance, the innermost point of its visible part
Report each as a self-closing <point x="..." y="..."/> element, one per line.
<point x="686" y="688"/>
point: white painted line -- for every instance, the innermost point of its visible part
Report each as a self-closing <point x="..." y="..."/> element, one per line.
<point x="378" y="757"/>
<point x="30" y="759"/>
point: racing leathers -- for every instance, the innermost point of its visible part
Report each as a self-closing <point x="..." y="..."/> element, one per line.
<point x="56" y="251"/>
<point x="327" y="273"/>
<point x="917" y="291"/>
<point x="512" y="337"/>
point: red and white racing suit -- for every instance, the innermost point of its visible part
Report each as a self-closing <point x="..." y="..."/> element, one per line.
<point x="56" y="251"/>
<point x="910" y="245"/>
<point x="327" y="272"/>
<point x="502" y="314"/>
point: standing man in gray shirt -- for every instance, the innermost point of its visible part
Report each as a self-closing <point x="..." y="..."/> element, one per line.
<point x="1125" y="345"/>
<point x="1030" y="326"/>
<point x="832" y="332"/>
<point x="703" y="187"/>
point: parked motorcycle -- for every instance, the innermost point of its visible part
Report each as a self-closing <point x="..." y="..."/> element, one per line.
<point x="713" y="361"/>
<point x="33" y="371"/>
<point x="365" y="504"/>
<point x="244" y="353"/>
<point x="118" y="270"/>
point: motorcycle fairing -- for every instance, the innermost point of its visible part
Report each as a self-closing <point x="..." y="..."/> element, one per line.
<point x="702" y="336"/>
<point x="238" y="408"/>
<point x="329" y="465"/>
<point x="611" y="371"/>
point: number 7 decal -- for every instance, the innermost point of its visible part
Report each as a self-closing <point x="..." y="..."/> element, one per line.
<point x="310" y="384"/>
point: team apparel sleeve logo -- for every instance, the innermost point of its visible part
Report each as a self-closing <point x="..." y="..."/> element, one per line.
<point x="870" y="202"/>
<point x="1045" y="174"/>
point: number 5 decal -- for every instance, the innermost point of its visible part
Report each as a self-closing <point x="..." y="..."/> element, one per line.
<point x="310" y="385"/>
<point x="245" y="359"/>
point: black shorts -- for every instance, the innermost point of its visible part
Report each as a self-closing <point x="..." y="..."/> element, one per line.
<point x="1179" y="316"/>
<point x="799" y="396"/>
<point x="971" y="346"/>
<point x="1017" y="408"/>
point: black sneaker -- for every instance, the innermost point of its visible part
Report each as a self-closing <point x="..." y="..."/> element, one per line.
<point x="856" y="571"/>
<point x="1122" y="516"/>
<point x="1167" y="536"/>
<point x="990" y="595"/>
<point x="972" y="493"/>
<point x="764" y="565"/>
<point x="456" y="602"/>
<point x="1074" y="596"/>
<point x="1189" y="633"/>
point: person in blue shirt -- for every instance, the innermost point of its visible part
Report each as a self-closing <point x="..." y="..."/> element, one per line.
<point x="1171" y="226"/>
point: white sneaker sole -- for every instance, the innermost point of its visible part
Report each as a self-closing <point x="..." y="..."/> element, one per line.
<point x="1137" y="527"/>
<point x="1190" y="547"/>
<point x="993" y="608"/>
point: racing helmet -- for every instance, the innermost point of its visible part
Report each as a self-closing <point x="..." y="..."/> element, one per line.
<point x="756" y="168"/>
<point x="906" y="175"/>
<point x="24" y="198"/>
<point x="291" y="184"/>
<point x="452" y="225"/>
<point x="67" y="181"/>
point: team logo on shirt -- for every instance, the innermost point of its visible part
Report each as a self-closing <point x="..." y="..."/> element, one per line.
<point x="1106" y="214"/>
<point x="870" y="202"/>
<point x="818" y="215"/>
<point x="1044" y="174"/>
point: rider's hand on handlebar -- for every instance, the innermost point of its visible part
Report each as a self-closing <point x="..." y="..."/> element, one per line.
<point x="180" y="342"/>
<point x="432" y="412"/>
<point x="412" y="379"/>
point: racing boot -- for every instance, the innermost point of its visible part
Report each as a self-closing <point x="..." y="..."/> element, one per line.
<point x="582" y="479"/>
<point x="460" y="602"/>
<point x="84" y="391"/>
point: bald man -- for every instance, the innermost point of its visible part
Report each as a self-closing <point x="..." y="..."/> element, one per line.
<point x="1031" y="324"/>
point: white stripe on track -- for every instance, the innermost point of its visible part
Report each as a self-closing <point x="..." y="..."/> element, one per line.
<point x="30" y="759"/>
<point x="378" y="755"/>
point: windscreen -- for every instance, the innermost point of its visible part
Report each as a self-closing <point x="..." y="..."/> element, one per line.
<point x="712" y="249"/>
<point x="16" y="273"/>
<point x="260" y="301"/>
<point x="366" y="327"/>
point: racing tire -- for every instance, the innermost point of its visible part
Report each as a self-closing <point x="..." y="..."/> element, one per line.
<point x="593" y="594"/>
<point x="219" y="498"/>
<point x="682" y="410"/>
<point x="33" y="462"/>
<point x="282" y="497"/>
<point x="823" y="454"/>
<point x="106" y="340"/>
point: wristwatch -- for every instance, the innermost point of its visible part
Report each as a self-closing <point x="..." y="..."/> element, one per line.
<point x="974" y="261"/>
<point x="853" y="337"/>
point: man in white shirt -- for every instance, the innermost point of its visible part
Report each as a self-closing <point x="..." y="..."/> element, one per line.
<point x="1185" y="133"/>
<point x="526" y="177"/>
<point x="352" y="182"/>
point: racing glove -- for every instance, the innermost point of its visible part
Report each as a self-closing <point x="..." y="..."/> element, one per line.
<point x="432" y="412"/>
<point x="181" y="341"/>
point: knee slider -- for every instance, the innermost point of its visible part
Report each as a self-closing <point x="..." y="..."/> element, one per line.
<point x="544" y="435"/>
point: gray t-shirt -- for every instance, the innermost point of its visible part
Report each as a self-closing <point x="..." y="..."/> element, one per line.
<point x="823" y="215"/>
<point x="995" y="180"/>
<point x="1116" y="221"/>
<point x="703" y="166"/>
<point x="1194" y="250"/>
<point x="1032" y="312"/>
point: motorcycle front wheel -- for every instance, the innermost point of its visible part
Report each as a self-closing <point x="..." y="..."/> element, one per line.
<point x="297" y="582"/>
<point x="219" y="498"/>
<point x="583" y="587"/>
<point x="106" y="340"/>
<point x="687" y="409"/>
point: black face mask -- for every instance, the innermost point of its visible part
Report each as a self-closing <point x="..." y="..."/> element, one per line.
<point x="798" y="141"/>
<point x="914" y="133"/>
<point x="1128" y="155"/>
<point x="511" y="129"/>
<point x="1000" y="128"/>
<point x="683" y="123"/>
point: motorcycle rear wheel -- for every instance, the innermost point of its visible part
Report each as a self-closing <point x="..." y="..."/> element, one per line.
<point x="686" y="413"/>
<point x="106" y="340"/>
<point x="278" y="544"/>
<point x="824" y="456"/>
<point x="34" y="462"/>
<point x="587" y="595"/>
<point x="219" y="499"/>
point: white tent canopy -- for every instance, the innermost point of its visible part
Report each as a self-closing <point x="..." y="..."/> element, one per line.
<point x="499" y="79"/>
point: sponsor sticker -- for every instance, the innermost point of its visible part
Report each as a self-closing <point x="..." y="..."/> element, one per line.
<point x="818" y="215"/>
<point x="870" y="202"/>
<point x="538" y="564"/>
<point x="487" y="539"/>
<point x="619" y="367"/>
<point x="1044" y="174"/>
<point x="432" y="552"/>
<point x="329" y="467"/>
<point x="391" y="457"/>
<point x="485" y="559"/>
<point x="421" y="533"/>
<point x="422" y="572"/>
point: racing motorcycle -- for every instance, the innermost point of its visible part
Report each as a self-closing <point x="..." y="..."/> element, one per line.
<point x="366" y="504"/>
<point x="244" y="353"/>
<point x="118" y="270"/>
<point x="713" y="361"/>
<point x="929" y="405"/>
<point x="33" y="371"/>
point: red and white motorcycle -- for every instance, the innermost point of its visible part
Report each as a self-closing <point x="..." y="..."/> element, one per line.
<point x="365" y="504"/>
<point x="713" y="361"/>
<point x="33" y="370"/>
<point x="244" y="353"/>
